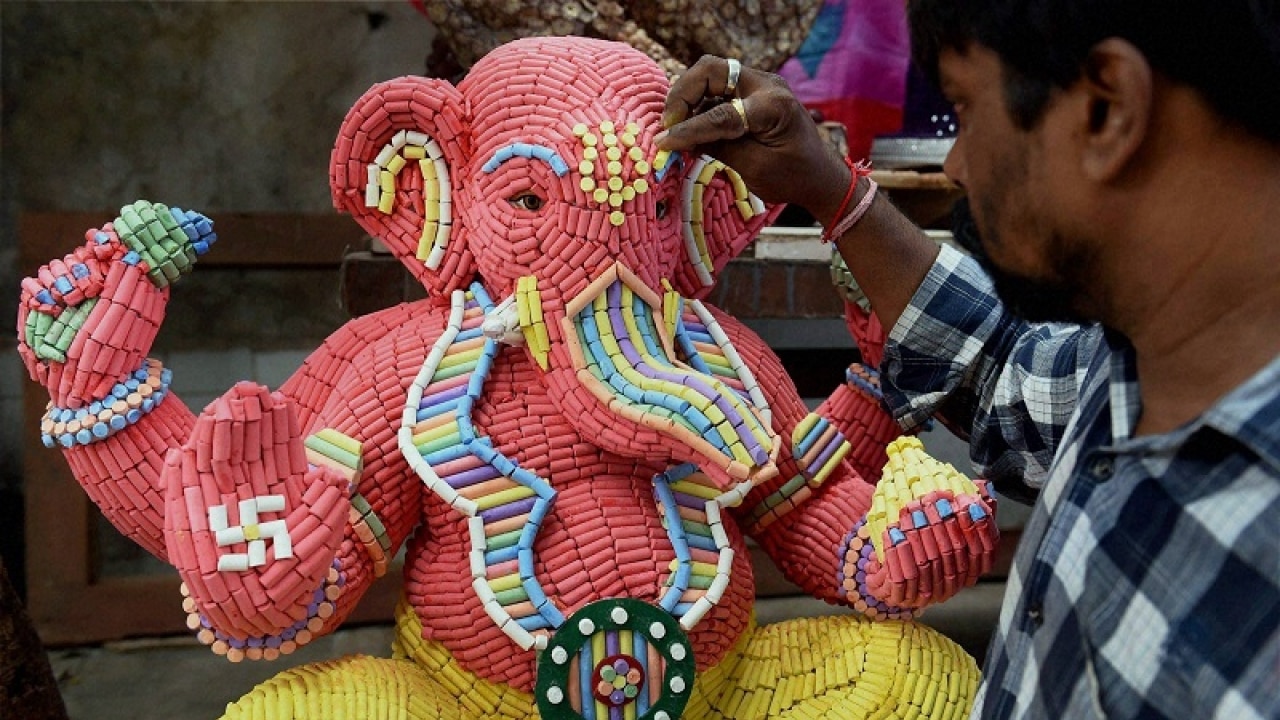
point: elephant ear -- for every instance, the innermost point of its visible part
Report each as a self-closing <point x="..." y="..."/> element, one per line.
<point x="719" y="218"/>
<point x="396" y="168"/>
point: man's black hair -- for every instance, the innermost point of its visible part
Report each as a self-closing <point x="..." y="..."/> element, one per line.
<point x="1227" y="50"/>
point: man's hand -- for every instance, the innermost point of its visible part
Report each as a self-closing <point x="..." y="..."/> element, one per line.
<point x="777" y="149"/>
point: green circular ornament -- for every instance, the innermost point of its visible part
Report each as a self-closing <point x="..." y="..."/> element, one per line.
<point x="615" y="678"/>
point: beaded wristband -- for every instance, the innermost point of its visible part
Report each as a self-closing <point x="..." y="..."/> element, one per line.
<point x="858" y="170"/>
<point x="129" y="400"/>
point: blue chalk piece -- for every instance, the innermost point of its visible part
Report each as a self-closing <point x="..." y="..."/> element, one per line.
<point x="532" y="622"/>
<point x="166" y="375"/>
<point x="148" y="404"/>
<point x="527" y="535"/>
<point x="66" y="440"/>
<point x="140" y="374"/>
<point x="702" y="542"/>
<point x="120" y="391"/>
<point x="84" y="437"/>
<point x="919" y="519"/>
<point x="48" y="440"/>
<point x="96" y="407"/>
<point x="524" y="150"/>
<point x="539" y="512"/>
<point x="63" y="285"/>
<point x="977" y="512"/>
<point x="131" y="258"/>
<point x="504" y="465"/>
<point x="44" y="297"/>
<point x="101" y="238"/>
<point x="481" y="449"/>
<point x="525" y="562"/>
<point x="117" y="422"/>
<point x="80" y="270"/>
<point x="131" y="384"/>
<point x="201" y="247"/>
<point x="66" y="415"/>
<point x="944" y="508"/>
<point x="896" y="536"/>
<point x="493" y="557"/>
<point x="453" y="452"/>
<point x="481" y="296"/>
<point x="558" y="166"/>
<point x="133" y="416"/>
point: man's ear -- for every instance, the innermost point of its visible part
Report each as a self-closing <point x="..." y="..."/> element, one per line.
<point x="1118" y="91"/>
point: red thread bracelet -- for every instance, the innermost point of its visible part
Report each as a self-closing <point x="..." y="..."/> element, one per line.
<point x="856" y="170"/>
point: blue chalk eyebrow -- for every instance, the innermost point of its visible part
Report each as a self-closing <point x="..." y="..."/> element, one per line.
<point x="526" y="150"/>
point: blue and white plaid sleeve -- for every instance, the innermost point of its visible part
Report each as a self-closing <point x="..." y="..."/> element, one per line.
<point x="1010" y="385"/>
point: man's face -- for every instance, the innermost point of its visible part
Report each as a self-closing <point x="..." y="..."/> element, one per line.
<point x="1013" y="182"/>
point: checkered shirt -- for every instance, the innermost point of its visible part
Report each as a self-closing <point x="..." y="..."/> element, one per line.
<point x="1147" y="581"/>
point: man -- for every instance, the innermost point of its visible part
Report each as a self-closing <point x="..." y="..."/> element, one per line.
<point x="1122" y="161"/>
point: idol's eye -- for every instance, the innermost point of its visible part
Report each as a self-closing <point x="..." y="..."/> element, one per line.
<point x="661" y="209"/>
<point x="528" y="201"/>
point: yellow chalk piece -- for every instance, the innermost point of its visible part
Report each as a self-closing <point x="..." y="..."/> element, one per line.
<point x="396" y="165"/>
<point x="414" y="152"/>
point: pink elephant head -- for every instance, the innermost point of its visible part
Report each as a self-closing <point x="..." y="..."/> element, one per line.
<point x="539" y="171"/>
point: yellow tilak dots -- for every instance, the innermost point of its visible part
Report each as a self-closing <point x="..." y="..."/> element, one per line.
<point x="580" y="129"/>
<point x="616" y="218"/>
<point x="590" y="140"/>
<point x="615" y="183"/>
<point x="636" y="155"/>
<point x="628" y="194"/>
<point x="590" y="153"/>
<point x="586" y="167"/>
<point x="628" y="139"/>
<point x="613" y="153"/>
<point x="600" y="195"/>
<point x="632" y="129"/>
<point x="607" y="126"/>
<point x="610" y="139"/>
<point x="614" y="168"/>
<point x="641" y="186"/>
<point x="615" y="199"/>
<point x="587" y="184"/>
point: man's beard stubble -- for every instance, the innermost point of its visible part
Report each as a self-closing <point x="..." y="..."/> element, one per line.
<point x="1034" y="300"/>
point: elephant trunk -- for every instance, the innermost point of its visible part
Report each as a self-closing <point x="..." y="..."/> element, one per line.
<point x="609" y="356"/>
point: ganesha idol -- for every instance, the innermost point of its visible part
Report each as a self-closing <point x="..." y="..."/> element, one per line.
<point x="571" y="446"/>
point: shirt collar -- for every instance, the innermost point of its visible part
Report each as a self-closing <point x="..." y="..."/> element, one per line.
<point x="1249" y="414"/>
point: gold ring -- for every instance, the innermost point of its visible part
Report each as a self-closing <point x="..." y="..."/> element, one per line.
<point x="742" y="113"/>
<point x="731" y="85"/>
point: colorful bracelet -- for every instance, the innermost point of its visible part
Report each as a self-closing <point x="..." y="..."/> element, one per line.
<point x="858" y="170"/>
<point x="129" y="400"/>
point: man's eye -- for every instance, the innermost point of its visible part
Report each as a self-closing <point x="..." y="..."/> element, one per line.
<point x="528" y="201"/>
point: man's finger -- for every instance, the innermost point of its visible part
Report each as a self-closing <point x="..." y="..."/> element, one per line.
<point x="721" y="122"/>
<point x="691" y="89"/>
